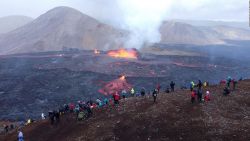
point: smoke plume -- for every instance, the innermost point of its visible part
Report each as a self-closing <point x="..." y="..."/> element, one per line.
<point x="142" y="18"/>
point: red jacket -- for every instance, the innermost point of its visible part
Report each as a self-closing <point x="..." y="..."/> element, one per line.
<point x="193" y="94"/>
<point x="117" y="97"/>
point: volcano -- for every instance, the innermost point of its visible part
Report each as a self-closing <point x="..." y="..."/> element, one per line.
<point x="116" y="85"/>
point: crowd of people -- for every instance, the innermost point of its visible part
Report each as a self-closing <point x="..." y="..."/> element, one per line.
<point x="83" y="110"/>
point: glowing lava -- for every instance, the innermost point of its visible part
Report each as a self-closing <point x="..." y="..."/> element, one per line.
<point x="123" y="77"/>
<point x="116" y="85"/>
<point x="124" y="53"/>
<point x="96" y="51"/>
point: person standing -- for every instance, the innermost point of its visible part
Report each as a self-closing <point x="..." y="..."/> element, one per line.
<point x="43" y="116"/>
<point x="155" y="93"/>
<point x="199" y="84"/>
<point x="234" y="84"/>
<point x="124" y="93"/>
<point x="200" y="95"/>
<point x="20" y="136"/>
<point x="172" y="84"/>
<point x="132" y="92"/>
<point x="116" y="98"/>
<point x="143" y="92"/>
<point x="6" y="128"/>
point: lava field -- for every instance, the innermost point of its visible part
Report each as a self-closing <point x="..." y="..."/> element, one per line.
<point x="35" y="83"/>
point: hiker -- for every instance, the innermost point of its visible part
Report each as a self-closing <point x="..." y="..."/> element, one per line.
<point x="155" y="95"/>
<point x="71" y="107"/>
<point x="29" y="121"/>
<point x="172" y="84"/>
<point x="192" y="85"/>
<point x="99" y="102"/>
<point x="116" y="98"/>
<point x="106" y="101"/>
<point x="226" y="91"/>
<point x="20" y="136"/>
<point x="77" y="109"/>
<point x="88" y="109"/>
<point x="57" y="116"/>
<point x="199" y="94"/>
<point x="207" y="96"/>
<point x="234" y="84"/>
<point x="193" y="95"/>
<point x="132" y="92"/>
<point x="206" y="84"/>
<point x="12" y="126"/>
<point x="167" y="90"/>
<point x="124" y="93"/>
<point x="111" y="102"/>
<point x="43" y="116"/>
<point x="6" y="128"/>
<point x="51" y="117"/>
<point x="199" y="85"/>
<point x="143" y="92"/>
<point x="229" y="79"/>
<point x="66" y="107"/>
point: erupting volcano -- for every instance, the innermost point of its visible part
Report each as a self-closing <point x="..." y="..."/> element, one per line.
<point x="124" y="53"/>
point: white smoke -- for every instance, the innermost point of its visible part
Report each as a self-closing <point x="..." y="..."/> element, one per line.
<point x="143" y="19"/>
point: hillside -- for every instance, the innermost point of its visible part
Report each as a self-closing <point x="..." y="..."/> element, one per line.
<point x="173" y="117"/>
<point x="181" y="33"/>
<point x="11" y="23"/>
<point x="58" y="29"/>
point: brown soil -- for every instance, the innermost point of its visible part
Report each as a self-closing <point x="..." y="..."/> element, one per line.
<point x="173" y="117"/>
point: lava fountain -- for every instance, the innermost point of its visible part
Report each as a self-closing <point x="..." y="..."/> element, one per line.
<point x="124" y="53"/>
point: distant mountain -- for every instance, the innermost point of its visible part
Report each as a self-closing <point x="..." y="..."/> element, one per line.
<point x="61" y="28"/>
<point x="10" y="23"/>
<point x="181" y="33"/>
<point x="236" y="24"/>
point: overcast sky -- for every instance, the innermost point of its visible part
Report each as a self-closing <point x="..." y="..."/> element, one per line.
<point x="177" y="9"/>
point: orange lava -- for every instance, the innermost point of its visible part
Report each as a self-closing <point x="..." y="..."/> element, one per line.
<point x="124" y="53"/>
<point x="123" y="77"/>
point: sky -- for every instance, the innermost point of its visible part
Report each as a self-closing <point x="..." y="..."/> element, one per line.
<point x="142" y="17"/>
<point x="178" y="9"/>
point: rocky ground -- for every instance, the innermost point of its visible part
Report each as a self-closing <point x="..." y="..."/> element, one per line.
<point x="173" y="117"/>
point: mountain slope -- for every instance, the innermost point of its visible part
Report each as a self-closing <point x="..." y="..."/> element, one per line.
<point x="180" y="33"/>
<point x="211" y="23"/>
<point x="60" y="28"/>
<point x="11" y="23"/>
<point x="172" y="118"/>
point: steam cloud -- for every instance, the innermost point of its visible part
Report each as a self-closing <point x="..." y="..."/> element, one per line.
<point x="142" y="18"/>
